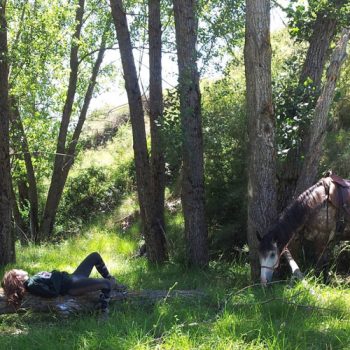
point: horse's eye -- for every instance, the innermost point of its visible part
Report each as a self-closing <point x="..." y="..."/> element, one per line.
<point x="272" y="256"/>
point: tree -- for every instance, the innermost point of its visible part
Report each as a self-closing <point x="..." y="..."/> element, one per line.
<point x="36" y="97"/>
<point x="154" y="239"/>
<point x="318" y="129"/>
<point x="192" y="196"/>
<point x="7" y="248"/>
<point x="262" y="198"/>
<point x="317" y="24"/>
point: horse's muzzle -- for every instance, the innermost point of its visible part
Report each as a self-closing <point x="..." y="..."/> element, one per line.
<point x="266" y="275"/>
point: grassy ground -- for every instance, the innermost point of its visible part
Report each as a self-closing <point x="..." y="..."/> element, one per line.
<point x="232" y="316"/>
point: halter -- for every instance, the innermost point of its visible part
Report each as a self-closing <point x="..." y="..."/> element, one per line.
<point x="274" y="267"/>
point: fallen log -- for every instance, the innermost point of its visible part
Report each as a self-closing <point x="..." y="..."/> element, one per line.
<point x="66" y="305"/>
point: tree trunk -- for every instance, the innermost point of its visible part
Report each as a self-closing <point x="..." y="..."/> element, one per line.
<point x="154" y="242"/>
<point x="7" y="247"/>
<point x="193" y="201"/>
<point x="32" y="191"/>
<point x="318" y="129"/>
<point x="317" y="54"/>
<point x="313" y="67"/>
<point x="20" y="228"/>
<point x="262" y="197"/>
<point x="57" y="181"/>
<point x="156" y="115"/>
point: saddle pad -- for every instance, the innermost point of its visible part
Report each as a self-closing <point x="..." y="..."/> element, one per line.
<point x="340" y="181"/>
<point x="339" y="193"/>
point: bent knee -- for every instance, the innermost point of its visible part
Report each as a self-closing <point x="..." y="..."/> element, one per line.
<point x="95" y="255"/>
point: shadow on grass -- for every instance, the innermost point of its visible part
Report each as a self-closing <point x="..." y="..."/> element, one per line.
<point x="290" y="318"/>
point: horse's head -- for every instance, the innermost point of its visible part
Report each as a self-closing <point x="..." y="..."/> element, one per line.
<point x="269" y="256"/>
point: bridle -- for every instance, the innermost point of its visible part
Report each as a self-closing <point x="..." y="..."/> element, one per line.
<point x="277" y="263"/>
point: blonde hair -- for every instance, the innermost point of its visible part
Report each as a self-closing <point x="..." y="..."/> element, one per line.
<point x="14" y="288"/>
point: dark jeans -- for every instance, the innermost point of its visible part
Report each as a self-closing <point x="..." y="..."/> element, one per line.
<point x="82" y="283"/>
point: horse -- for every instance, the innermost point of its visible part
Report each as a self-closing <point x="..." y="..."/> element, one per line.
<point x="321" y="213"/>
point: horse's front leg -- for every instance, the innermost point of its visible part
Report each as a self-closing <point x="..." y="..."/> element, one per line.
<point x="293" y="265"/>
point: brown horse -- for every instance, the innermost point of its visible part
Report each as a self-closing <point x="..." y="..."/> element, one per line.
<point x="320" y="212"/>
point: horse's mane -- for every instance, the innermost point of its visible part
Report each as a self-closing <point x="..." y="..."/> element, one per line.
<point x="295" y="215"/>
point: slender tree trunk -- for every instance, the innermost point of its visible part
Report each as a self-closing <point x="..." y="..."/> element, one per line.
<point x="7" y="247"/>
<point x="156" y="115"/>
<point x="313" y="67"/>
<point x="154" y="242"/>
<point x="20" y="228"/>
<point x="262" y="196"/>
<point x="318" y="128"/>
<point x="193" y="201"/>
<point x="57" y="181"/>
<point x="32" y="191"/>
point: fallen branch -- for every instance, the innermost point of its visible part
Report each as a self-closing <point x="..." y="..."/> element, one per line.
<point x="66" y="305"/>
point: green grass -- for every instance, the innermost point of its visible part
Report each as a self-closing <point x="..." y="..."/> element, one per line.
<point x="305" y="315"/>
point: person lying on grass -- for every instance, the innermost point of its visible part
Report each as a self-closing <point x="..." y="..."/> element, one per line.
<point x="52" y="284"/>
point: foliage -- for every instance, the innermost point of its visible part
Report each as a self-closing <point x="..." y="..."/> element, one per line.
<point x="294" y="106"/>
<point x="225" y="135"/>
<point x="302" y="16"/>
<point x="39" y="34"/>
<point x="171" y="132"/>
<point x="220" y="31"/>
<point x="40" y="40"/>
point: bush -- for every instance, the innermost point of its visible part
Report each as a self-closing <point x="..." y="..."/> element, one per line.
<point x="94" y="190"/>
<point x="225" y="137"/>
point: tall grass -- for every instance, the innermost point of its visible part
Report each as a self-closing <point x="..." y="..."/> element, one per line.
<point x="304" y="315"/>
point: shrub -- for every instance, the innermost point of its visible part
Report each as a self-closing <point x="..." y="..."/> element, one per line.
<point x="94" y="190"/>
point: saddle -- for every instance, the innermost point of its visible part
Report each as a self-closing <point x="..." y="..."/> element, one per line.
<point x="339" y="196"/>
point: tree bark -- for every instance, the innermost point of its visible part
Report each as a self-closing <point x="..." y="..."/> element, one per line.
<point x="318" y="129"/>
<point x="154" y="242"/>
<point x="262" y="197"/>
<point x="156" y="115"/>
<point x="192" y="196"/>
<point x="7" y="247"/>
<point x="317" y="53"/>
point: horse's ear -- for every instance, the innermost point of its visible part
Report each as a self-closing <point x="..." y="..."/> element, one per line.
<point x="258" y="236"/>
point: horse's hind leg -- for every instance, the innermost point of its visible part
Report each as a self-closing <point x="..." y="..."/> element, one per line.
<point x="323" y="265"/>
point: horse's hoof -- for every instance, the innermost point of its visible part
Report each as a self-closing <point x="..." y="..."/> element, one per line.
<point x="298" y="274"/>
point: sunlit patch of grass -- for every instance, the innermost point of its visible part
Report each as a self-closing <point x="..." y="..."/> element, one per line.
<point x="114" y="153"/>
<point x="127" y="207"/>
